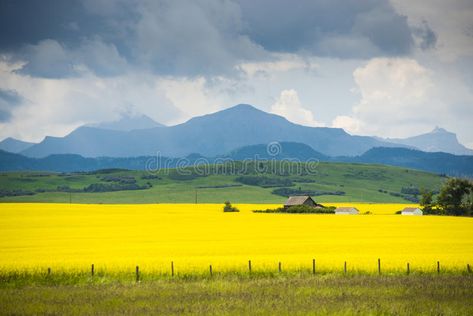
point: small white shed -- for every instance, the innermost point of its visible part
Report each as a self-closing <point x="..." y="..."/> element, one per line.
<point x="346" y="211"/>
<point x="412" y="211"/>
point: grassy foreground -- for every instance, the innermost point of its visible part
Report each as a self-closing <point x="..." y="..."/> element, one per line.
<point x="425" y="294"/>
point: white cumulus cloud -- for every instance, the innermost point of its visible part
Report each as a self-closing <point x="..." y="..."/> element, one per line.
<point x="348" y="123"/>
<point x="289" y="106"/>
<point x="400" y="97"/>
<point x="393" y="93"/>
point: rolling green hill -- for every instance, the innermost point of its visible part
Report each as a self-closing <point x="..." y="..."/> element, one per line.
<point x="240" y="183"/>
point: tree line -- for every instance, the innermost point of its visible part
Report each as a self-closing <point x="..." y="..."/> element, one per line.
<point x="455" y="198"/>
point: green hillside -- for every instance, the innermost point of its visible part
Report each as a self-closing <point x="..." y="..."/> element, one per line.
<point x="237" y="182"/>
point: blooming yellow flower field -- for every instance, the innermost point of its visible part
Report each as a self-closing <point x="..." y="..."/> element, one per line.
<point x="65" y="236"/>
<point x="375" y="208"/>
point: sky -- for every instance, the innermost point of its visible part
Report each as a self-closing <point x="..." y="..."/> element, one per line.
<point x="387" y="68"/>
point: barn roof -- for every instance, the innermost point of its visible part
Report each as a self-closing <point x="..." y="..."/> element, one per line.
<point x="411" y="209"/>
<point x="297" y="200"/>
<point x="346" y="208"/>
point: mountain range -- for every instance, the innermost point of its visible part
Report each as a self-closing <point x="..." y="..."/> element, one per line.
<point x="14" y="145"/>
<point x="218" y="134"/>
<point x="238" y="133"/>
<point x="438" y="140"/>
<point x="128" y="123"/>
<point x="437" y="162"/>
<point x="440" y="163"/>
<point x="210" y="135"/>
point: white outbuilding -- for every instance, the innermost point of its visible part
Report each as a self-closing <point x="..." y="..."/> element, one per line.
<point x="412" y="211"/>
<point x="346" y="211"/>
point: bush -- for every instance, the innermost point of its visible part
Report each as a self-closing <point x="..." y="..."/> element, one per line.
<point x="300" y="209"/>
<point x="150" y="177"/>
<point x="229" y="208"/>
<point x="410" y="190"/>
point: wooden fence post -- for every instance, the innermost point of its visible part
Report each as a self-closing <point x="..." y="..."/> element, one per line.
<point x="172" y="268"/>
<point x="279" y="266"/>
<point x="379" y="266"/>
<point x="345" y="267"/>
<point x="210" y="270"/>
<point x="92" y="269"/>
<point x="313" y="266"/>
<point x="408" y="269"/>
<point x="49" y="271"/>
<point x="137" y="274"/>
<point x="468" y="268"/>
<point x="438" y="267"/>
<point x="249" y="266"/>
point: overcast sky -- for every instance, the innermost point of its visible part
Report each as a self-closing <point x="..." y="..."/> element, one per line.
<point x="387" y="68"/>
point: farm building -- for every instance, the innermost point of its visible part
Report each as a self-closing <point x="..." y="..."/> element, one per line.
<point x="301" y="200"/>
<point x="347" y="211"/>
<point x="412" y="211"/>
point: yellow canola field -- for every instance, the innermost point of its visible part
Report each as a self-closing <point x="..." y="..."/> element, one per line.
<point x="374" y="208"/>
<point x="118" y="237"/>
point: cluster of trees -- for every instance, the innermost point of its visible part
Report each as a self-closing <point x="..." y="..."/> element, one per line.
<point x="150" y="177"/>
<point x="119" y="179"/>
<point x="454" y="198"/>
<point x="228" y="207"/>
<point x="102" y="187"/>
<point x="18" y="192"/>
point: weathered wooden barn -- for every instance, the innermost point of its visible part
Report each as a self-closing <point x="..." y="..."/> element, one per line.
<point x="301" y="200"/>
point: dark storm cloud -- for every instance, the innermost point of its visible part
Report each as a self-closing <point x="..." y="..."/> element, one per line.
<point x="57" y="38"/>
<point x="187" y="38"/>
<point x="30" y="21"/>
<point x="51" y="59"/>
<point x="427" y="37"/>
<point x="9" y="99"/>
<point x="336" y="28"/>
<point x="192" y="37"/>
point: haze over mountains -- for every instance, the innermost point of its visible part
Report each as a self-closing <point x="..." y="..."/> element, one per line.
<point x="438" y="140"/>
<point x="218" y="134"/>
<point x="128" y="123"/>
<point x="210" y="135"/>
<point x="14" y="145"/>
